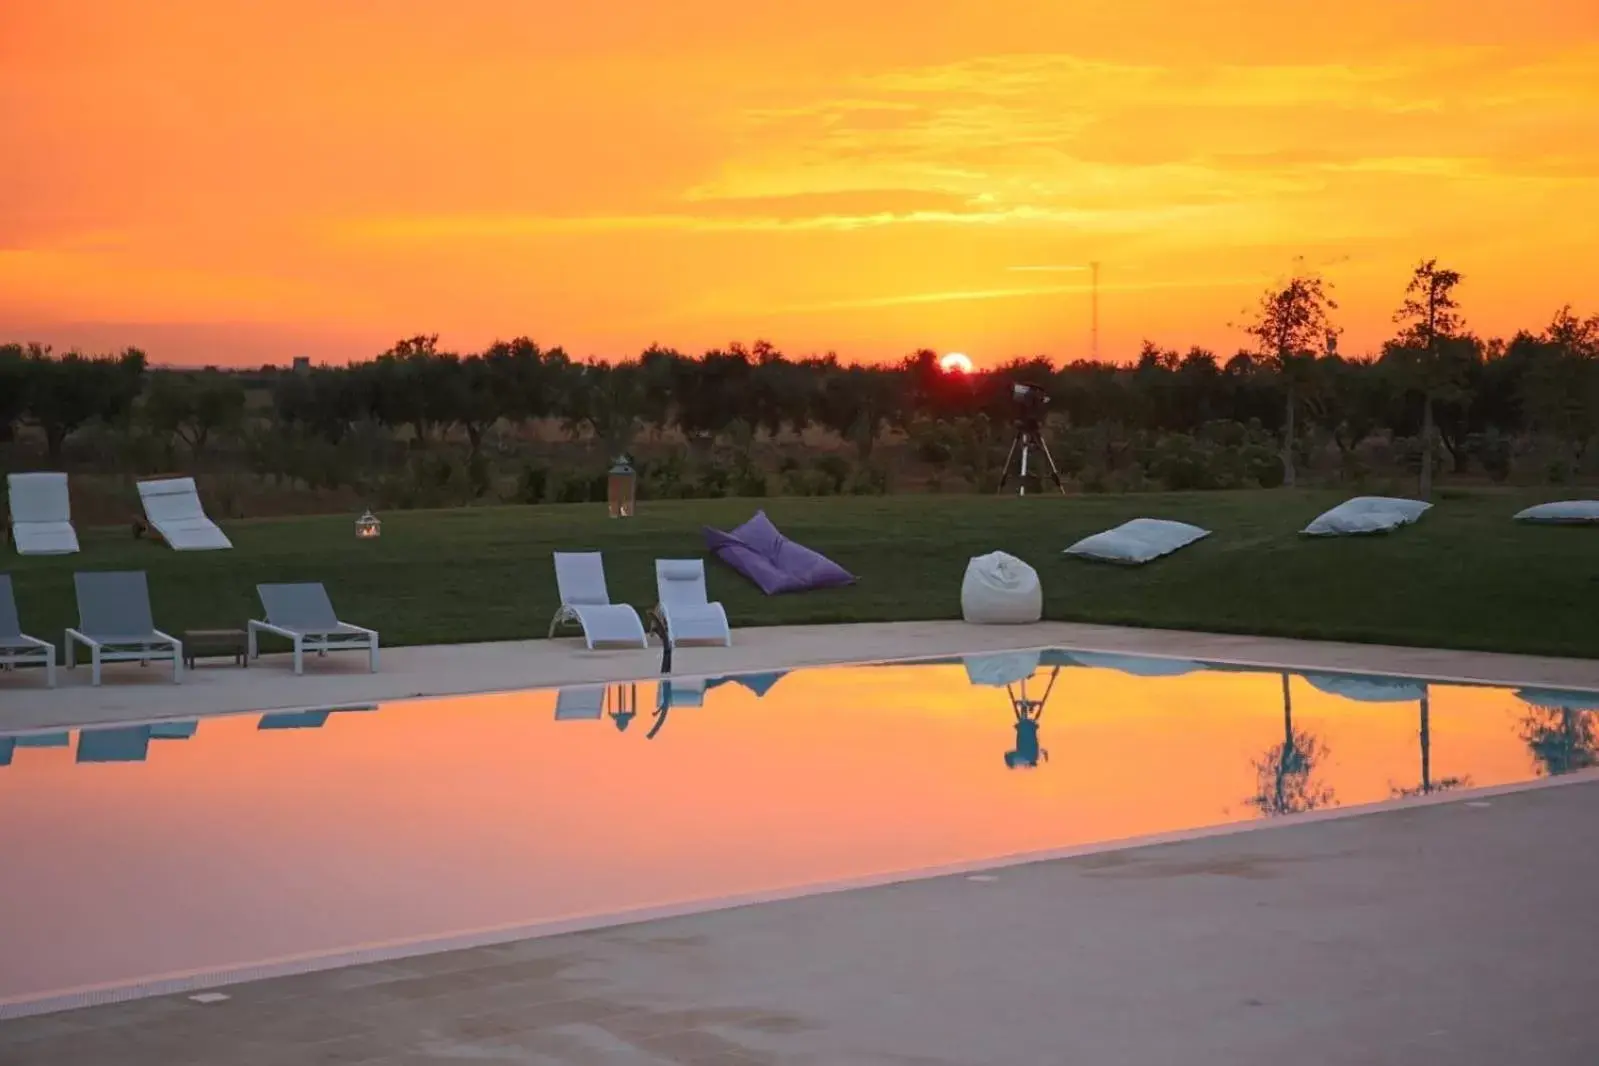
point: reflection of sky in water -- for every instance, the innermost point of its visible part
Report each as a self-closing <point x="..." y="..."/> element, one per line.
<point x="136" y="851"/>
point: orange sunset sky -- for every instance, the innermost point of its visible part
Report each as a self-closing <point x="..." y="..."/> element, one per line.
<point x="238" y="181"/>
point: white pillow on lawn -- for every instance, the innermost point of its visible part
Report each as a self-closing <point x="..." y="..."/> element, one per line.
<point x="1138" y="541"/>
<point x="1366" y="514"/>
<point x="1565" y="512"/>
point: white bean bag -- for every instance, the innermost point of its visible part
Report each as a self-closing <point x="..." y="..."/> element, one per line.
<point x="1001" y="668"/>
<point x="1138" y="541"/>
<point x="1565" y="512"/>
<point x="1000" y="589"/>
<point x="1366" y="514"/>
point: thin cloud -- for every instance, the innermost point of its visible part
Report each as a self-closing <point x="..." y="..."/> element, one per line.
<point x="993" y="294"/>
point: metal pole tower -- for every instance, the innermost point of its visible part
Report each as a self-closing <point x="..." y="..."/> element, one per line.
<point x="1093" y="328"/>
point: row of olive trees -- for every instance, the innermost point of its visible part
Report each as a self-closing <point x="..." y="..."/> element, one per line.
<point x="1546" y="382"/>
<point x="1434" y="380"/>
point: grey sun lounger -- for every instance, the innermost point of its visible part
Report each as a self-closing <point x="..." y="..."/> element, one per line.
<point x="16" y="647"/>
<point x="115" y="624"/>
<point x="303" y="615"/>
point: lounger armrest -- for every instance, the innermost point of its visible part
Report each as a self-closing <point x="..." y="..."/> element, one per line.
<point x="37" y="643"/>
<point x="350" y="627"/>
<point x="169" y="638"/>
<point x="86" y="641"/>
<point x="268" y="627"/>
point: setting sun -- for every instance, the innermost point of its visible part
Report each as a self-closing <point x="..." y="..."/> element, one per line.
<point x="956" y="363"/>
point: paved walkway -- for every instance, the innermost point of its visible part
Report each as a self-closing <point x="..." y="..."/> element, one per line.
<point x="132" y="693"/>
<point x="1456" y="933"/>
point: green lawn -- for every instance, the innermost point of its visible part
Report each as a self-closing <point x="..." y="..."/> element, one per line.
<point x="1464" y="577"/>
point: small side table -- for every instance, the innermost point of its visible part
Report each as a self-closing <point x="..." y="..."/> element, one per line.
<point x="215" y="644"/>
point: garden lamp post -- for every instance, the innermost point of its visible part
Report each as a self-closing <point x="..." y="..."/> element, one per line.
<point x="368" y="527"/>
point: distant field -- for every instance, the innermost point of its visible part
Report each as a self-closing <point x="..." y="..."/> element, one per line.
<point x="1465" y="577"/>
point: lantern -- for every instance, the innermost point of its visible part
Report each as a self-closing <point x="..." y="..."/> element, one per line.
<point x="620" y="486"/>
<point x="367" y="527"/>
<point x="622" y="704"/>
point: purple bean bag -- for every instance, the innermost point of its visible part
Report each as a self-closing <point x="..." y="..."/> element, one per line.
<point x="776" y="564"/>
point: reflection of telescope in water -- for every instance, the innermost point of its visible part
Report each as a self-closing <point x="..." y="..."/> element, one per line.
<point x="1028" y="711"/>
<point x="1013" y="671"/>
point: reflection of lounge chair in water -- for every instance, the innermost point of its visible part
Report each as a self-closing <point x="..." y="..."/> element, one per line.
<point x="669" y="694"/>
<point x="580" y="704"/>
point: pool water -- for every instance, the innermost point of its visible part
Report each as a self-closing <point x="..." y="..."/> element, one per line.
<point x="136" y="853"/>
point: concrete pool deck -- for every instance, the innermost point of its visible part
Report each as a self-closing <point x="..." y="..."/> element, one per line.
<point x="134" y="693"/>
<point x="1456" y="930"/>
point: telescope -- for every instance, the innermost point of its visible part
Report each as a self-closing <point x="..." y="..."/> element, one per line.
<point x="1030" y="400"/>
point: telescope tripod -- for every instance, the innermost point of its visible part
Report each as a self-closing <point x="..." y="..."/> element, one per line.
<point x="1029" y="440"/>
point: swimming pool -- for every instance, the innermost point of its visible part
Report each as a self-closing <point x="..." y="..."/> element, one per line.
<point x="250" y="844"/>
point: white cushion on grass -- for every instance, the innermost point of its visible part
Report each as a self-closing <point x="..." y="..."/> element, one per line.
<point x="1000" y="589"/>
<point x="1565" y="512"/>
<point x="1138" y="541"/>
<point x="1366" y="514"/>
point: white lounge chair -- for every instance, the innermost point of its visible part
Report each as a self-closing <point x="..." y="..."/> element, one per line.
<point x="686" y="612"/>
<point x="303" y="615"/>
<point x="41" y="514"/>
<point x="16" y="647"/>
<point x="580" y="579"/>
<point x="115" y="624"/>
<point x="173" y="507"/>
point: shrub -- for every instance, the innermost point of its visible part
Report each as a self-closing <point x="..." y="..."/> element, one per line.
<point x="533" y="484"/>
<point x="836" y="469"/>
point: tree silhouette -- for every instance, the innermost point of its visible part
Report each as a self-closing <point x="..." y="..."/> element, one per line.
<point x="1283" y="783"/>
<point x="192" y="407"/>
<point x="1561" y="738"/>
<point x="1291" y="322"/>
<point x="1429" y="317"/>
<point x="1427" y="784"/>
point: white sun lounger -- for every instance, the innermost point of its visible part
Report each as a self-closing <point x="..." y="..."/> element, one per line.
<point x="686" y="612"/>
<point x="16" y="647"/>
<point x="115" y="624"/>
<point x="41" y="514"/>
<point x="580" y="579"/>
<point x="303" y="615"/>
<point x="173" y="507"/>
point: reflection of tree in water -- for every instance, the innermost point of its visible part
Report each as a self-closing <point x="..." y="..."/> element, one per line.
<point x="1283" y="782"/>
<point x="1561" y="738"/>
<point x="1427" y="783"/>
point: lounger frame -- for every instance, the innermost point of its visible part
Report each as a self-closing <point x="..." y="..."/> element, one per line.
<point x="160" y="648"/>
<point x="23" y="650"/>
<point x="345" y="638"/>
